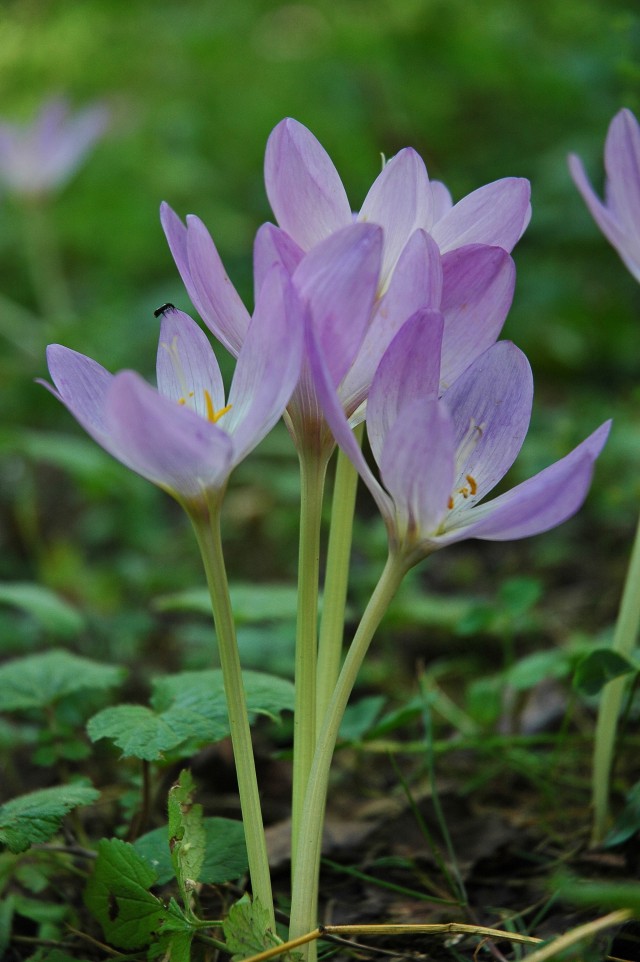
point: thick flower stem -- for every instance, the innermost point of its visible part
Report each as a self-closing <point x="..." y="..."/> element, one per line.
<point x="307" y="868"/>
<point x="208" y="534"/>
<point x="624" y="640"/>
<point x="336" y="579"/>
<point x="312" y="474"/>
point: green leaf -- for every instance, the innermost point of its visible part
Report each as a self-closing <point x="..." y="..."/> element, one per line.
<point x="187" y="837"/>
<point x="54" y="614"/>
<point x="6" y="923"/>
<point x="534" y="668"/>
<point x="359" y="718"/>
<point x="247" y="930"/>
<point x="41" y="680"/>
<point x="225" y="852"/>
<point x="36" y="817"/>
<point x="599" y="667"/>
<point x="251" y="603"/>
<point x="628" y="822"/>
<point x="139" y="731"/>
<point x="189" y="710"/>
<point x="118" y="896"/>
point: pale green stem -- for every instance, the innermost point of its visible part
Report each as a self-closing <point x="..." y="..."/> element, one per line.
<point x="624" y="639"/>
<point x="207" y="531"/>
<point x="307" y="868"/>
<point x="334" y="595"/>
<point x="312" y="473"/>
<point x="44" y="262"/>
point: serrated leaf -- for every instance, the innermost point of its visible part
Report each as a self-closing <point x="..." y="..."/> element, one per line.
<point x="37" y="681"/>
<point x="189" y="711"/>
<point x="247" y="929"/>
<point x="187" y="837"/>
<point x="139" y="731"/>
<point x="203" y="691"/>
<point x="599" y="667"/>
<point x="225" y="852"/>
<point x="51" y="611"/>
<point x="118" y="896"/>
<point x="36" y="817"/>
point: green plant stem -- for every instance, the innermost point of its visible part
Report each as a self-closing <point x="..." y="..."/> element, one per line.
<point x="207" y="529"/>
<point x="624" y="639"/>
<point x="44" y="262"/>
<point x="307" y="868"/>
<point x="312" y="474"/>
<point x="334" y="597"/>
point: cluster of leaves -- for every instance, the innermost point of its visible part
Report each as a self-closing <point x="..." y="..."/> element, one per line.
<point x="46" y="699"/>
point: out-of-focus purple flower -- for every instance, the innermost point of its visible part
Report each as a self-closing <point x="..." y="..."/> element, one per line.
<point x="439" y="457"/>
<point x="619" y="216"/>
<point x="185" y="436"/>
<point x="310" y="202"/>
<point x="41" y="156"/>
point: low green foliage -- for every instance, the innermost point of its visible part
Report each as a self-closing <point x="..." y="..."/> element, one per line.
<point x="247" y="930"/>
<point x="36" y="817"/>
<point x="188" y="711"/>
<point x="38" y="681"/>
<point x="55" y="615"/>
<point x="225" y="853"/>
<point x="599" y="667"/>
<point x="118" y="896"/>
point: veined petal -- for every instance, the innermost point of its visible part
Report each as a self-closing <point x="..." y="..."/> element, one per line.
<point x="273" y="246"/>
<point x="417" y="467"/>
<point x="340" y="427"/>
<point x="219" y="303"/>
<point x="268" y="365"/>
<point x="169" y="445"/>
<point x="338" y="280"/>
<point x="442" y="201"/>
<point x="400" y="201"/>
<point x="303" y="186"/>
<point x="538" y="504"/>
<point x="81" y="384"/>
<point x="409" y="371"/>
<point x="496" y="214"/>
<point x="606" y="221"/>
<point x="622" y="163"/>
<point x="186" y="367"/>
<point x="176" y="233"/>
<point x="479" y="282"/>
<point x="491" y="408"/>
<point x="416" y="283"/>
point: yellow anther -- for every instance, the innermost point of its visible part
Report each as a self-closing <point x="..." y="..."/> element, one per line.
<point x="212" y="414"/>
<point x="470" y="488"/>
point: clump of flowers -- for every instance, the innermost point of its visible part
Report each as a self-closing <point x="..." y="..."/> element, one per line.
<point x="388" y="319"/>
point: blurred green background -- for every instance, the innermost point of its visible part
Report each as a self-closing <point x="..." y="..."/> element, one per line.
<point x="482" y="90"/>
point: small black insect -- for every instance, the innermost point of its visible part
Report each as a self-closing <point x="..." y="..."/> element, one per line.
<point x="163" y="309"/>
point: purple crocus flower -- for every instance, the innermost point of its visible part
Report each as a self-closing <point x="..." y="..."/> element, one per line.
<point x="185" y="436"/>
<point x="41" y="156"/>
<point x="339" y="281"/>
<point x="439" y="457"/>
<point x="310" y="202"/>
<point x="619" y="216"/>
